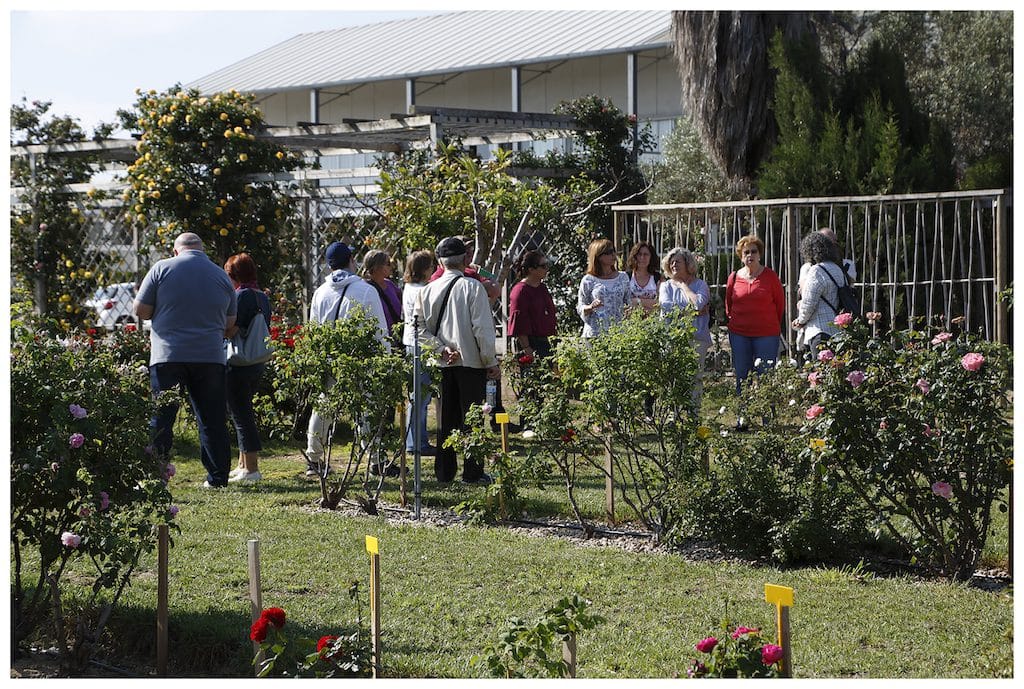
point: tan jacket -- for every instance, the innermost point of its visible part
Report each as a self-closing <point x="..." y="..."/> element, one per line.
<point x="467" y="325"/>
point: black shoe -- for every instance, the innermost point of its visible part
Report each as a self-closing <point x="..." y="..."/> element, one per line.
<point x="483" y="480"/>
<point x="390" y="470"/>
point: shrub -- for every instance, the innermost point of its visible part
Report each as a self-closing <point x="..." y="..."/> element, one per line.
<point x="348" y="376"/>
<point x="918" y="426"/>
<point x="88" y="490"/>
<point x="736" y="652"/>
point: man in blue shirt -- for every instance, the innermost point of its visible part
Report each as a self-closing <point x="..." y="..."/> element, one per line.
<point x="191" y="302"/>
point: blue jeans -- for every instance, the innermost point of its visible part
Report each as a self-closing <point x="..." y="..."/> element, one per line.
<point x="206" y="386"/>
<point x="410" y="440"/>
<point x="242" y="383"/>
<point x="746" y="350"/>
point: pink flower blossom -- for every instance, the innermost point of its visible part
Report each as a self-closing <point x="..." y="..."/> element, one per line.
<point x="882" y="425"/>
<point x="173" y="510"/>
<point x="923" y="385"/>
<point x="873" y="316"/>
<point x="771" y="654"/>
<point x="77" y="411"/>
<point x="42" y="227"/>
<point x="856" y="378"/>
<point x="930" y="432"/>
<point x="76" y="440"/>
<point x="706" y="645"/>
<point x="71" y="540"/>
<point x="972" y="361"/>
<point x="942" y="489"/>
<point x="55" y="467"/>
<point x="813" y="412"/>
<point x="740" y="631"/>
<point x="942" y="337"/>
<point x="84" y="511"/>
<point x="486" y="408"/>
<point x="813" y="378"/>
<point x="826" y="355"/>
<point x="843" y="319"/>
<point x="104" y="500"/>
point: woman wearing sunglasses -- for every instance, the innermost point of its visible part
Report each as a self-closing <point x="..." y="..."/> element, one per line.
<point x="604" y="291"/>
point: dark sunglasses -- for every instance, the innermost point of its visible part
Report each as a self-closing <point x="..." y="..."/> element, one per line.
<point x="610" y="252"/>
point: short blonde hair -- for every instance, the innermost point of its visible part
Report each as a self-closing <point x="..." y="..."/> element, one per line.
<point x="747" y="241"/>
<point x="597" y="248"/>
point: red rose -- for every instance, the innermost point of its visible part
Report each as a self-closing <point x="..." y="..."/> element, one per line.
<point x="526" y="360"/>
<point x="275" y="332"/>
<point x="275" y="616"/>
<point x="90" y="331"/>
<point x="568" y="435"/>
<point x="258" y="631"/>
<point x="289" y="342"/>
<point x="325" y="642"/>
<point x="130" y="328"/>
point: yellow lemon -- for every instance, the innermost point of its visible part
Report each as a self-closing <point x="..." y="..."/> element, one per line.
<point x="156" y="194"/>
<point x="218" y="210"/>
<point x="261" y="229"/>
<point x="65" y="298"/>
<point x="280" y="155"/>
<point x="238" y="130"/>
<point x="223" y="202"/>
<point x="703" y="432"/>
<point x="180" y="188"/>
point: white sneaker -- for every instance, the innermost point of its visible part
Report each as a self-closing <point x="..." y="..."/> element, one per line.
<point x="235" y="472"/>
<point x="247" y="476"/>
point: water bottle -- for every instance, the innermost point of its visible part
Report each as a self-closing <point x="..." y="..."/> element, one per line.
<point x="492" y="393"/>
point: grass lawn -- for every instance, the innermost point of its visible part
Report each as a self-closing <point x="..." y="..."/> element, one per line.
<point x="447" y="591"/>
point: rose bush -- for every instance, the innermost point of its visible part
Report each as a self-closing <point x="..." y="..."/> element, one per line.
<point x="87" y="493"/>
<point x="346" y="654"/>
<point x="924" y="438"/>
<point x="736" y="652"/>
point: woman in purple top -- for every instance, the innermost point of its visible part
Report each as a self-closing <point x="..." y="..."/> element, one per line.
<point x="377" y="270"/>
<point x="531" y="310"/>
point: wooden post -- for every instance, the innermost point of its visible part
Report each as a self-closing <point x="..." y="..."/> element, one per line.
<point x="255" y="595"/>
<point x="373" y="548"/>
<point x="163" y="540"/>
<point x="402" y="488"/>
<point x="502" y="420"/>
<point x="782" y="598"/>
<point x="609" y="481"/>
<point x="569" y="654"/>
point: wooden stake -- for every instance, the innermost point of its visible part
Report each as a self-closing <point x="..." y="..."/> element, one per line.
<point x="502" y="419"/>
<point x="609" y="482"/>
<point x="782" y="597"/>
<point x="373" y="548"/>
<point x="401" y="474"/>
<point x="162" y="542"/>
<point x="569" y="654"/>
<point x="255" y="595"/>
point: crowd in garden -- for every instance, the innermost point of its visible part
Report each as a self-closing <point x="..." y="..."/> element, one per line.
<point x="195" y="307"/>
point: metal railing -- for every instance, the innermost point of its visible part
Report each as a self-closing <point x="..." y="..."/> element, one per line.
<point x="918" y="257"/>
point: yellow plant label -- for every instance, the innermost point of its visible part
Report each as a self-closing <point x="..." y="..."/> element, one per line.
<point x="501" y="418"/>
<point x="779" y="595"/>
<point x="372" y="546"/>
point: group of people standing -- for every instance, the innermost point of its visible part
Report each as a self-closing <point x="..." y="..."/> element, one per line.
<point x="194" y="305"/>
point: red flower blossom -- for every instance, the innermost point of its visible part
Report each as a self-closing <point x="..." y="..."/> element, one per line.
<point x="274" y="615"/>
<point x="130" y="328"/>
<point x="275" y="332"/>
<point x="526" y="360"/>
<point x="90" y="331"/>
<point x="289" y="342"/>
<point x="569" y="434"/>
<point x="771" y="654"/>
<point x="325" y="642"/>
<point x="258" y="631"/>
<point x="740" y="631"/>
<point x="706" y="645"/>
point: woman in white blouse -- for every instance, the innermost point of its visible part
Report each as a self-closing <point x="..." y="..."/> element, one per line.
<point x="604" y="291"/>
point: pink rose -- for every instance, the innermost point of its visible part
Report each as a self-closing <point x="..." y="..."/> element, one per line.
<point x="813" y="378"/>
<point x="873" y="316"/>
<point x="826" y="355"/>
<point x="173" y="511"/>
<point x="76" y="440"/>
<point x="84" y="511"/>
<point x="71" y="540"/>
<point x="923" y="386"/>
<point x="882" y="425"/>
<point x="942" y="337"/>
<point x="814" y="411"/>
<point x="104" y="500"/>
<point x="740" y="631"/>
<point x="77" y="411"/>
<point x="856" y="378"/>
<point x="930" y="432"/>
<point x="706" y="645"/>
<point x="486" y="408"/>
<point x="942" y="489"/>
<point x="771" y="654"/>
<point x="972" y="361"/>
<point x="55" y="467"/>
<point x="843" y="319"/>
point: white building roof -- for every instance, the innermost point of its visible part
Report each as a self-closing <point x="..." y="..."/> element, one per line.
<point x="439" y="44"/>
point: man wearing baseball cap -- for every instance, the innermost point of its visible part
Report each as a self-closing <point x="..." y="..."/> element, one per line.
<point x="457" y="323"/>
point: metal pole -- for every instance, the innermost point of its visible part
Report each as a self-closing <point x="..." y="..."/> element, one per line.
<point x="415" y="416"/>
<point x="163" y="539"/>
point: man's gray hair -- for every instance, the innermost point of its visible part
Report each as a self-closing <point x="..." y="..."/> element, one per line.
<point x="453" y="261"/>
<point x="188" y="240"/>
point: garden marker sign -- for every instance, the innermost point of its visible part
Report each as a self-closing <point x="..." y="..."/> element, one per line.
<point x="373" y="548"/>
<point x="782" y="598"/>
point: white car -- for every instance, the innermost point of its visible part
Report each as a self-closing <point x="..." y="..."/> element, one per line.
<point x="114" y="305"/>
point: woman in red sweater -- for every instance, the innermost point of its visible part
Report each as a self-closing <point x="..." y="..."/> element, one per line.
<point x="531" y="311"/>
<point x="754" y="304"/>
